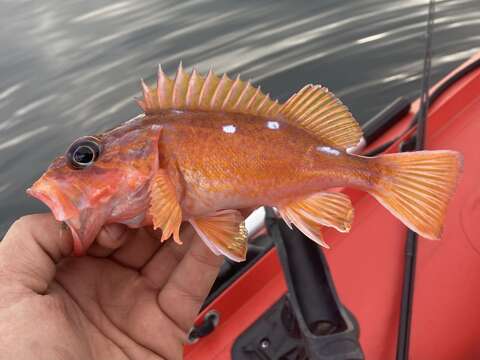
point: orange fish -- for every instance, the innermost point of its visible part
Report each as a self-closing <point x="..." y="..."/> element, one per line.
<point x="207" y="147"/>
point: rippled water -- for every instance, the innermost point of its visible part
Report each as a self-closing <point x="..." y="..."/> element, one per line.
<point x="69" y="68"/>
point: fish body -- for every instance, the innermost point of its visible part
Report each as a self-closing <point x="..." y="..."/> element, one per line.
<point x="239" y="161"/>
<point x="208" y="147"/>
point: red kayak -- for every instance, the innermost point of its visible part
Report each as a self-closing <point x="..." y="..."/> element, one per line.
<point x="367" y="265"/>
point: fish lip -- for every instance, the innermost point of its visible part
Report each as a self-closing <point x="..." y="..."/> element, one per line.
<point x="60" y="211"/>
<point x="78" y="244"/>
<point x="64" y="212"/>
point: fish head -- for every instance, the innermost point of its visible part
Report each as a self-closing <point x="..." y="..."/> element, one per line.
<point x="101" y="179"/>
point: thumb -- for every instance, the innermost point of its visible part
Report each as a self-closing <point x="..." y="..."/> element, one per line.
<point x="30" y="250"/>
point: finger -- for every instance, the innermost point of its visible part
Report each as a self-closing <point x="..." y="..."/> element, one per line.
<point x="140" y="247"/>
<point x="158" y="268"/>
<point x="189" y="284"/>
<point x="110" y="238"/>
<point x="31" y="248"/>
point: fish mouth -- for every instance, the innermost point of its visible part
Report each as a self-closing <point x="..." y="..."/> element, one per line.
<point x="60" y="205"/>
<point x="85" y="229"/>
<point x="84" y="225"/>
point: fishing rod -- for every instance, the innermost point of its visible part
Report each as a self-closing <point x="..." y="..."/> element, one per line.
<point x="405" y="324"/>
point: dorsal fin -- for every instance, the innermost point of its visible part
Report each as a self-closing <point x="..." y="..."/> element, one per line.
<point x="321" y="113"/>
<point x="313" y="108"/>
<point x="196" y="92"/>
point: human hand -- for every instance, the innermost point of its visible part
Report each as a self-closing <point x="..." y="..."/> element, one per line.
<point x="130" y="297"/>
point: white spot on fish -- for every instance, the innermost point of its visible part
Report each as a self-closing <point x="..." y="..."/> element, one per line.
<point x="274" y="125"/>
<point x="229" y="129"/>
<point x="328" y="150"/>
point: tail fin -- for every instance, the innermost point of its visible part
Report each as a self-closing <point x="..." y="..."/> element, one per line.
<point x="417" y="186"/>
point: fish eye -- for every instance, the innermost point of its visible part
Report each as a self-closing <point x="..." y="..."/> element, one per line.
<point x="83" y="152"/>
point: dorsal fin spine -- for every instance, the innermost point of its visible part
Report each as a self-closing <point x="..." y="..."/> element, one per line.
<point x="141" y="103"/>
<point x="242" y="96"/>
<point x="219" y="94"/>
<point x="258" y="102"/>
<point x="147" y="95"/>
<point x="206" y="84"/>
<point x="274" y="109"/>
<point x="218" y="88"/>
<point x="229" y="98"/>
<point x="180" y="88"/>
<point x="164" y="88"/>
<point x="193" y="92"/>
<point x="262" y="104"/>
<point x="209" y="87"/>
<point x="251" y="102"/>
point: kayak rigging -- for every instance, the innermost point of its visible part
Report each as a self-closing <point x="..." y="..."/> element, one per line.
<point x="405" y="324"/>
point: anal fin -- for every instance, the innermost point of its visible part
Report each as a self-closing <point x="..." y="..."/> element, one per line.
<point x="164" y="207"/>
<point x="332" y="209"/>
<point x="224" y="233"/>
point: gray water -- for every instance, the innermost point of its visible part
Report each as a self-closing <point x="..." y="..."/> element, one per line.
<point x="69" y="68"/>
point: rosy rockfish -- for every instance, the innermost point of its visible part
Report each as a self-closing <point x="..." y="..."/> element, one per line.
<point x="208" y="146"/>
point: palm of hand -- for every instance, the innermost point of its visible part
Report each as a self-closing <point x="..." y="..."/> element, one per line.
<point x="127" y="299"/>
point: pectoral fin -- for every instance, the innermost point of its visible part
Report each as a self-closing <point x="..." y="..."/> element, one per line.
<point x="332" y="209"/>
<point x="224" y="233"/>
<point x="164" y="207"/>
